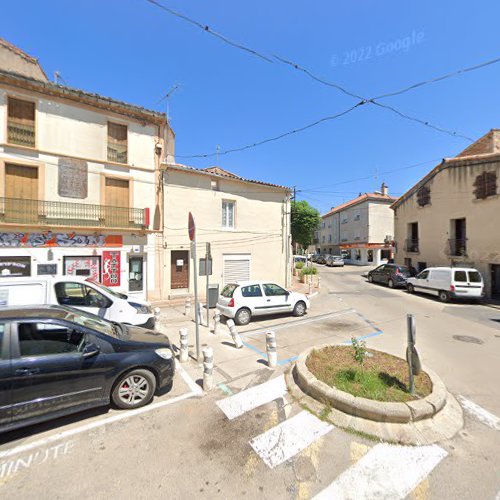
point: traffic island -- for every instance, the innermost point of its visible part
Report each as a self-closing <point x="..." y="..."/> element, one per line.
<point x="432" y="415"/>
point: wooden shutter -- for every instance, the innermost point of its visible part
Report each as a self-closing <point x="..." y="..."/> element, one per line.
<point x="21" y="122"/>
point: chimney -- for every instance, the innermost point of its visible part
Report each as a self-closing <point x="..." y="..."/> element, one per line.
<point x="384" y="189"/>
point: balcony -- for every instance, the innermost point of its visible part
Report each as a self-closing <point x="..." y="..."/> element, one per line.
<point x="57" y="213"/>
<point x="20" y="133"/>
<point x="458" y="247"/>
<point x="411" y="245"/>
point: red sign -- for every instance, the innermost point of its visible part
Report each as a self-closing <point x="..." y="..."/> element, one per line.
<point x="111" y="268"/>
<point x="191" y="227"/>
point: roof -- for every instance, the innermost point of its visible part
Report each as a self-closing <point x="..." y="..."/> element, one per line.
<point x="220" y="172"/>
<point x="485" y="149"/>
<point x="14" y="59"/>
<point x="377" y="197"/>
<point x="35" y="311"/>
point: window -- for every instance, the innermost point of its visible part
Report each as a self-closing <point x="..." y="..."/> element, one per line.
<point x="345" y="220"/>
<point x="424" y="196"/>
<point x="272" y="290"/>
<point x="486" y="185"/>
<point x="228" y="291"/>
<point x="421" y="266"/>
<point x="228" y="214"/>
<point x="42" y="339"/>
<point x="357" y="216"/>
<point x="370" y="255"/>
<point x="423" y="275"/>
<point x="20" y="122"/>
<point x="322" y="239"/>
<point x="322" y="225"/>
<point x="474" y="277"/>
<point x="78" y="295"/>
<point x="460" y="276"/>
<point x="214" y="184"/>
<point x="117" y="142"/>
<point x="329" y="238"/>
<point x="251" y="291"/>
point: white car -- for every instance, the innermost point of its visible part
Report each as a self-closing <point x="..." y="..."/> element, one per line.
<point x="448" y="282"/>
<point x="241" y="301"/>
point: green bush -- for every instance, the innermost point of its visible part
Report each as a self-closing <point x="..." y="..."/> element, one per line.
<point x="306" y="271"/>
<point x="299" y="265"/>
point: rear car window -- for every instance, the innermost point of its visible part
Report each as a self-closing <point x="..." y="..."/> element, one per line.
<point x="251" y="291"/>
<point x="405" y="271"/>
<point x="474" y="277"/>
<point x="461" y="276"/>
<point x="228" y="291"/>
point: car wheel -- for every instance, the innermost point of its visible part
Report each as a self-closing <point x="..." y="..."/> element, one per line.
<point x="444" y="296"/>
<point x="242" y="317"/>
<point x="299" y="309"/>
<point x="391" y="283"/>
<point x="134" y="389"/>
<point x="410" y="288"/>
<point x="370" y="278"/>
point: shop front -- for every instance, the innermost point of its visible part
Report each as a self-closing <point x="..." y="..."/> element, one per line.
<point x="367" y="254"/>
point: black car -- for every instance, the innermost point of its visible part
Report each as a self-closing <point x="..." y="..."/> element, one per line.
<point x="322" y="258"/>
<point x="392" y="275"/>
<point x="56" y="360"/>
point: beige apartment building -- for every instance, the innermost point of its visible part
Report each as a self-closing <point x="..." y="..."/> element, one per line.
<point x="452" y="216"/>
<point x="361" y="229"/>
<point x="78" y="177"/>
<point x="246" y="222"/>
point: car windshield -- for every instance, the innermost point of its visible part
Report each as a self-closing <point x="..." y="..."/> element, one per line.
<point x="111" y="292"/>
<point x="94" y="322"/>
<point x="228" y="290"/>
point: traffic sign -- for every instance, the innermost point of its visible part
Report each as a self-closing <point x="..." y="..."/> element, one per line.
<point x="191" y="227"/>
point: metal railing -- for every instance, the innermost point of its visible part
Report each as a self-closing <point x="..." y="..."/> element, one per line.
<point x="458" y="247"/>
<point x="60" y="213"/>
<point x="20" y="133"/>
<point x="411" y="245"/>
<point x="117" y="153"/>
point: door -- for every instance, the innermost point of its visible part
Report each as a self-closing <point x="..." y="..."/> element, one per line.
<point x="83" y="297"/>
<point x="377" y="273"/>
<point x="495" y="281"/>
<point x="252" y="298"/>
<point x="422" y="281"/>
<point x="21" y="193"/>
<point x="49" y="373"/>
<point x="135" y="274"/>
<point x="236" y="268"/>
<point x="5" y="379"/>
<point x="179" y="269"/>
<point x="277" y="299"/>
<point x="117" y="202"/>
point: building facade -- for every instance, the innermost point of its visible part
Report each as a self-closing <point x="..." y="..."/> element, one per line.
<point x="247" y="224"/>
<point x="452" y="216"/>
<point x="361" y="229"/>
<point x="78" y="177"/>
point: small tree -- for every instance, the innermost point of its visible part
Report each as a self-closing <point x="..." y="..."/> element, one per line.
<point x="305" y="220"/>
<point x="359" y="347"/>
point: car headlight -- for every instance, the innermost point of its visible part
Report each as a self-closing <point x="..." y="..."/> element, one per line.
<point x="140" y="308"/>
<point x="164" y="353"/>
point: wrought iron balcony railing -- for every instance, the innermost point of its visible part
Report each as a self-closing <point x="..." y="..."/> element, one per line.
<point x="20" y="133"/>
<point x="60" y="213"/>
<point x="411" y="245"/>
<point x="458" y="247"/>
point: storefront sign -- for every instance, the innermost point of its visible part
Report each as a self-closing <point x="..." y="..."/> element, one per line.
<point x="50" y="269"/>
<point x="50" y="239"/>
<point x="87" y="266"/>
<point x="15" y="266"/>
<point x="111" y="268"/>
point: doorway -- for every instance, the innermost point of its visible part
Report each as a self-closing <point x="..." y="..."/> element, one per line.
<point x="21" y="193"/>
<point x="135" y="274"/>
<point x="179" y="269"/>
<point x="495" y="281"/>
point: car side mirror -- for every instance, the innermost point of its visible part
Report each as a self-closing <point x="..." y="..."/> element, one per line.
<point x="90" y="350"/>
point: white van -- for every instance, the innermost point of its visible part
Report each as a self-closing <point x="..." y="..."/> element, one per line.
<point x="448" y="283"/>
<point x="85" y="294"/>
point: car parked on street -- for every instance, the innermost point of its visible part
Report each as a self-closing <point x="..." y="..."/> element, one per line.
<point x="300" y="258"/>
<point x="322" y="258"/>
<point x="314" y="257"/>
<point x="334" y="261"/>
<point x="241" y="301"/>
<point x="392" y="275"/>
<point x="56" y="360"/>
<point x="448" y="283"/>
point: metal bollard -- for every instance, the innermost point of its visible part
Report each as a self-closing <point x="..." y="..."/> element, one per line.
<point x="319" y="282"/>
<point x="201" y="316"/>
<point x="234" y="333"/>
<point x="216" y="322"/>
<point x="184" y="343"/>
<point x="272" y="355"/>
<point x="310" y="284"/>
<point x="187" y="306"/>
<point x="208" y="368"/>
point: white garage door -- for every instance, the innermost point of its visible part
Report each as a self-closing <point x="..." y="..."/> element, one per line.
<point x="236" y="268"/>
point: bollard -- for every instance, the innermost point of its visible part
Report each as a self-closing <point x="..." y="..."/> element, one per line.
<point x="208" y="368"/>
<point x="234" y="333"/>
<point x="216" y="322"/>
<point x="201" y="316"/>
<point x="187" y="306"/>
<point x="319" y="282"/>
<point x="184" y="355"/>
<point x="272" y="355"/>
<point x="310" y="284"/>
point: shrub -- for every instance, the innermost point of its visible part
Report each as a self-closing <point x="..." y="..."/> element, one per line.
<point x="359" y="347"/>
<point x="299" y="265"/>
<point x="306" y="271"/>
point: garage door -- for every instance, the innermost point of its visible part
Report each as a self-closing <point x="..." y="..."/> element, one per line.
<point x="236" y="268"/>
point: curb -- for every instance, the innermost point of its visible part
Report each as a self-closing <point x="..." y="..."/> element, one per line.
<point x="369" y="409"/>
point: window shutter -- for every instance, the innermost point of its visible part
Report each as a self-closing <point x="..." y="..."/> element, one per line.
<point x="236" y="269"/>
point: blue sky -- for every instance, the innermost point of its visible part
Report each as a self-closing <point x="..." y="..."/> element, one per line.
<point x="131" y="50"/>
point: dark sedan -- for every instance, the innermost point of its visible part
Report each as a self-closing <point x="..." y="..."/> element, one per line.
<point x="55" y="360"/>
<point x="392" y="275"/>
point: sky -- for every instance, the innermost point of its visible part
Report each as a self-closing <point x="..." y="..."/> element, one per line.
<point x="133" y="51"/>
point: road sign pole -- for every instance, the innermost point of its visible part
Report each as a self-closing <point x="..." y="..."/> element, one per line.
<point x="207" y="258"/>
<point x="192" y="237"/>
<point x="411" y="344"/>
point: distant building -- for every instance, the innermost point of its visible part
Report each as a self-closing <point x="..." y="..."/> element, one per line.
<point x="452" y="215"/>
<point x="361" y="229"/>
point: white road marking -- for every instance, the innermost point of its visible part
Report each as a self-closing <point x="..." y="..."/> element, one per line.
<point x="247" y="400"/>
<point x="480" y="413"/>
<point x="193" y="386"/>
<point x="94" y="425"/>
<point x="386" y="472"/>
<point x="285" y="440"/>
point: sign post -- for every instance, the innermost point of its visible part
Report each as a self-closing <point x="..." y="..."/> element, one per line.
<point x="208" y="269"/>
<point x="192" y="238"/>
<point x="414" y="364"/>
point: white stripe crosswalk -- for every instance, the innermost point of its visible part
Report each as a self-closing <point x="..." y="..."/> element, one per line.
<point x="386" y="472"/>
<point x="285" y="440"/>
<point x="480" y="413"/>
<point x="256" y="396"/>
